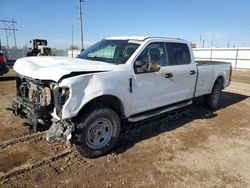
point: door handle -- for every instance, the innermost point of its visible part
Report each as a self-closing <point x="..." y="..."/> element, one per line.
<point x="192" y="72"/>
<point x="169" y="75"/>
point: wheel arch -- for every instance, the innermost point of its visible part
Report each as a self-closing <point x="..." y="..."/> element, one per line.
<point x="107" y="100"/>
<point x="211" y="101"/>
<point x="220" y="78"/>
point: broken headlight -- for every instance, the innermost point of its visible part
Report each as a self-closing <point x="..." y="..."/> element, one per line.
<point x="61" y="94"/>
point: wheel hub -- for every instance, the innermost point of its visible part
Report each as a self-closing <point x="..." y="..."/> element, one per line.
<point x="99" y="133"/>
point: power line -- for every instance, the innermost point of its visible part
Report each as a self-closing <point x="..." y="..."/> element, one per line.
<point x="10" y="30"/>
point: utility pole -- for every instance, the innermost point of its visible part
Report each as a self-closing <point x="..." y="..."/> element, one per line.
<point x="72" y="45"/>
<point x="228" y="43"/>
<point x="212" y="41"/>
<point x="80" y="17"/>
<point x="10" y="30"/>
<point x="200" y="42"/>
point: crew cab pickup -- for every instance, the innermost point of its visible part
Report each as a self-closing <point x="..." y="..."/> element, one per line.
<point x="120" y="79"/>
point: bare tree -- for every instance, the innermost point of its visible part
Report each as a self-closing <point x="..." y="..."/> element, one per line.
<point x="73" y="47"/>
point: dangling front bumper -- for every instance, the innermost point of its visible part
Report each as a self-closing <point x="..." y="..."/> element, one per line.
<point x="60" y="130"/>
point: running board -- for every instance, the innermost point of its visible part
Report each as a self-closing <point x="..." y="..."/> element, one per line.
<point x="159" y="111"/>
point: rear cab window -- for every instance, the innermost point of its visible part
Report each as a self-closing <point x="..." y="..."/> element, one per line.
<point x="179" y="53"/>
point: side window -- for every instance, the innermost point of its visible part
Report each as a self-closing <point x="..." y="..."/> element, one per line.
<point x="180" y="54"/>
<point x="152" y="57"/>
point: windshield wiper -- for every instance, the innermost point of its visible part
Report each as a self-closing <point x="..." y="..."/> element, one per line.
<point x="95" y="58"/>
<point x="99" y="59"/>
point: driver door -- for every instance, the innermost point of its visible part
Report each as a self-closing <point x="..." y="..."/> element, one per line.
<point x="150" y="85"/>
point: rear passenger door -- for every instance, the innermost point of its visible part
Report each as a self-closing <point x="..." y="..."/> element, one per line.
<point x="180" y="73"/>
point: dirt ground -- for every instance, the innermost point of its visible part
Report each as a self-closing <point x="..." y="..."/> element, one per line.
<point x="190" y="148"/>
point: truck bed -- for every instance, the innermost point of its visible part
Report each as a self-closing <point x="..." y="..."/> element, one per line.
<point x="208" y="73"/>
<point x="207" y="62"/>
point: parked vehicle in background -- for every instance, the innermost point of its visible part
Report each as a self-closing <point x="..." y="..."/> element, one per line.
<point x="117" y="80"/>
<point x="4" y="69"/>
<point x="40" y="48"/>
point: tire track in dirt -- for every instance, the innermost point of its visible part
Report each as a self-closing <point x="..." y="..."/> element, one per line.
<point x="34" y="165"/>
<point x="26" y="153"/>
<point x="11" y="142"/>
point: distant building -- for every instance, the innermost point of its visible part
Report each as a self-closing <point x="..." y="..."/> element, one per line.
<point x="193" y="45"/>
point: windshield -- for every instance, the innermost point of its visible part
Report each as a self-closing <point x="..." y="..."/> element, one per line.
<point x="111" y="51"/>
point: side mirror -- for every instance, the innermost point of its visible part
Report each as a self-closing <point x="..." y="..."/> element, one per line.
<point x="140" y="66"/>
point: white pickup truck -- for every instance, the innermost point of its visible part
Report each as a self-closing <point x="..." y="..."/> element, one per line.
<point x="119" y="79"/>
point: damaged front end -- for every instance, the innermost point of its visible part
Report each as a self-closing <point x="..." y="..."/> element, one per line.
<point x="41" y="102"/>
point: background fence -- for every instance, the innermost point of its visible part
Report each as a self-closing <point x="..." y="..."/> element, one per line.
<point x="238" y="57"/>
<point x="14" y="54"/>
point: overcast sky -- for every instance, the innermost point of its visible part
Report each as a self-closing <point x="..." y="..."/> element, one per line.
<point x="216" y="22"/>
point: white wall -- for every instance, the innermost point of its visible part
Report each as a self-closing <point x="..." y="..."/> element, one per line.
<point x="74" y="54"/>
<point x="238" y="57"/>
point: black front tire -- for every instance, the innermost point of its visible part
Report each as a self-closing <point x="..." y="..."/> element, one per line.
<point x="97" y="122"/>
<point x="212" y="101"/>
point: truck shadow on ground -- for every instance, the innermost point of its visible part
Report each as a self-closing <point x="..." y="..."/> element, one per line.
<point x="171" y="121"/>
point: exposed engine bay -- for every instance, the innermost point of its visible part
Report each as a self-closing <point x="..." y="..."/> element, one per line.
<point x="37" y="100"/>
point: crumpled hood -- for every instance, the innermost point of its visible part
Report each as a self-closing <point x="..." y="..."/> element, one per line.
<point x="53" y="68"/>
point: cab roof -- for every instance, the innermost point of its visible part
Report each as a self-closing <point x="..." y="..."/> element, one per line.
<point x="140" y="38"/>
